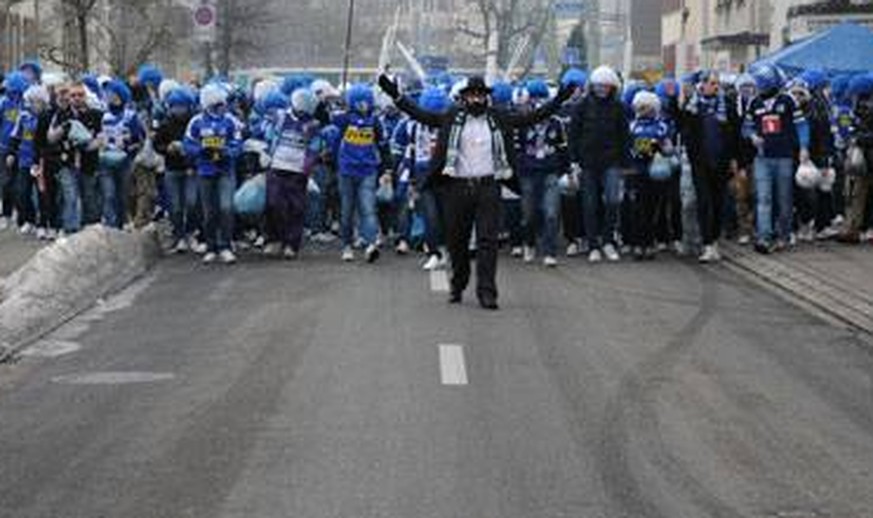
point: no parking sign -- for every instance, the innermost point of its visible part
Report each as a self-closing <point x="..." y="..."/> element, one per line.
<point x="205" y="17"/>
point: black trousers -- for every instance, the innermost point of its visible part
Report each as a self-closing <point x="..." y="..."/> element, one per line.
<point x="467" y="203"/>
<point x="710" y="182"/>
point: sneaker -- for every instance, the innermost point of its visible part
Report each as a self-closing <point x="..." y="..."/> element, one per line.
<point x="572" y="249"/>
<point x="661" y="247"/>
<point x="227" y="257"/>
<point x="679" y="248"/>
<point x="242" y="246"/>
<point x="348" y="254"/>
<point x="611" y="253"/>
<point x="516" y="251"/>
<point x="51" y="234"/>
<point x="272" y="249"/>
<point x="806" y="233"/>
<point x="197" y="247"/>
<point x="372" y="253"/>
<point x="595" y="256"/>
<point x="26" y="229"/>
<point x="432" y="263"/>
<point x="529" y="254"/>
<point x="181" y="247"/>
<point x="41" y="234"/>
<point x="744" y="240"/>
<point x="289" y="253"/>
<point x="827" y="233"/>
<point x="260" y="241"/>
<point x="550" y="262"/>
<point x="402" y="248"/>
<point x="868" y="236"/>
<point x="210" y="258"/>
<point x="4" y="223"/>
<point x="710" y="254"/>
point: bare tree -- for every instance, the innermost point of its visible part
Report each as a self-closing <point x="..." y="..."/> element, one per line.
<point x="136" y="29"/>
<point x="244" y="31"/>
<point x="501" y="24"/>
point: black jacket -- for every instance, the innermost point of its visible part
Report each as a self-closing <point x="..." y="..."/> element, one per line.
<point x="91" y="119"/>
<point x="506" y="121"/>
<point x="599" y="134"/>
<point x="172" y="129"/>
<point x="729" y="134"/>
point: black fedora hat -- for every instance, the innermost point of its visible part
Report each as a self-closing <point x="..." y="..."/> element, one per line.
<point x="476" y="84"/>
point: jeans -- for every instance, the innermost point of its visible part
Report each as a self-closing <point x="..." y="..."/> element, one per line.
<point x="115" y="188"/>
<point x="602" y="199"/>
<point x="216" y="195"/>
<point x="774" y="175"/>
<point x="71" y="214"/>
<point x="89" y="187"/>
<point x="430" y="205"/>
<point x="358" y="193"/>
<point x="541" y="203"/>
<point x="182" y="191"/>
<point x="316" y="217"/>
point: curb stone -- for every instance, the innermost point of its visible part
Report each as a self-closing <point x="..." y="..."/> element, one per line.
<point x="836" y="301"/>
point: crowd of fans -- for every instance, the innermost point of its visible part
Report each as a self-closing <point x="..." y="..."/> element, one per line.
<point x="774" y="161"/>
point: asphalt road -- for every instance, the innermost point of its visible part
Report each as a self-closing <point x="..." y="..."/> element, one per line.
<point x="321" y="390"/>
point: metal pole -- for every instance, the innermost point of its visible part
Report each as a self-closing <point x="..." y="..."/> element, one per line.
<point x="36" y="23"/>
<point x="348" y="49"/>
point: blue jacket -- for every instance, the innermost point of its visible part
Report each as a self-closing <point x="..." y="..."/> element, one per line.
<point x="361" y="146"/>
<point x="10" y="107"/>
<point x="123" y="131"/>
<point x="648" y="136"/>
<point x="413" y="146"/>
<point x="22" y="139"/>
<point x="213" y="143"/>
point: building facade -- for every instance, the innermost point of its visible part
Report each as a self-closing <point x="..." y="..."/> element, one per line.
<point x="740" y="33"/>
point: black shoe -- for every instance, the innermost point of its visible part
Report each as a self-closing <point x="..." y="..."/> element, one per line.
<point x="489" y="304"/>
<point x="763" y="248"/>
<point x="455" y="298"/>
<point x="372" y="253"/>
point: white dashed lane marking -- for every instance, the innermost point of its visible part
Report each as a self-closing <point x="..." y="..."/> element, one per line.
<point x="453" y="370"/>
<point x="113" y="378"/>
<point x="439" y="281"/>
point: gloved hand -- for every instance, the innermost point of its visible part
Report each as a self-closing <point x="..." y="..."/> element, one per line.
<point x="565" y="93"/>
<point x="389" y="86"/>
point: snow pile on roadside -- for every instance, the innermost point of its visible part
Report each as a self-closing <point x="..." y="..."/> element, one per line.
<point x="66" y="278"/>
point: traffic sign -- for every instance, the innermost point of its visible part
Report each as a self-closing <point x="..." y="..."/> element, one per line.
<point x="205" y="18"/>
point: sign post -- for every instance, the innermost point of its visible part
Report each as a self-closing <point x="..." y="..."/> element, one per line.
<point x="205" y="18"/>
